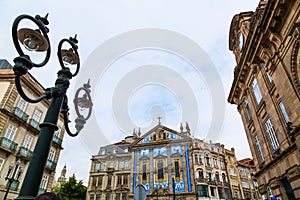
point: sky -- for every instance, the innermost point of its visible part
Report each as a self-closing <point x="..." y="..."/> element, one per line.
<point x="145" y="59"/>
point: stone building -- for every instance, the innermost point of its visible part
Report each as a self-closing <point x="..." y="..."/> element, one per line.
<point x="110" y="172"/>
<point x="266" y="90"/>
<point x="211" y="179"/>
<point x="19" y="126"/>
<point x="160" y="160"/>
<point x="242" y="184"/>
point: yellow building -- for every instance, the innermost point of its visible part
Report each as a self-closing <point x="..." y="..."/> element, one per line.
<point x="266" y="90"/>
<point x="242" y="183"/>
<point x="19" y="126"/>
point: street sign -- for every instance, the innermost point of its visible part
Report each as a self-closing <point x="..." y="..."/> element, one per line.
<point x="139" y="192"/>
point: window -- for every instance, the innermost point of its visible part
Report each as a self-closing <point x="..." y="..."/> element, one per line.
<point x="266" y="70"/>
<point x="213" y="191"/>
<point x="119" y="181"/>
<point x="216" y="163"/>
<point x="98" y="196"/>
<point x="51" y="155"/>
<point x="177" y="173"/>
<point x="217" y="176"/>
<point x="57" y="133"/>
<point x="27" y="141"/>
<point x="258" y="148"/>
<point x="114" y="151"/>
<point x="126" y="164"/>
<point x="247" y="195"/>
<point x="271" y="135"/>
<point x="196" y="144"/>
<point x="198" y="159"/>
<point x="245" y="184"/>
<point x="125" y="180"/>
<point x="256" y="91"/>
<point x="222" y="164"/>
<point x="44" y="182"/>
<point x="10" y="133"/>
<point x="144" y="176"/>
<point x="202" y="191"/>
<point x="228" y="194"/>
<point x="92" y="196"/>
<point x="124" y="196"/>
<point x="221" y="193"/>
<point x="121" y="164"/>
<point x="96" y="167"/>
<point x="1" y="163"/>
<point x="107" y="196"/>
<point x="111" y="164"/>
<point x="160" y="166"/>
<point x="284" y="113"/>
<point x="232" y="171"/>
<point x="100" y="180"/>
<point x="224" y="178"/>
<point x="247" y="109"/>
<point x="109" y="180"/>
<point x="37" y="115"/>
<point x="209" y="176"/>
<point x="200" y="174"/>
<point x="288" y="188"/>
<point x="94" y="181"/>
<point x="22" y="104"/>
<point x="118" y="196"/>
<point x="102" y="166"/>
<point x="207" y="161"/>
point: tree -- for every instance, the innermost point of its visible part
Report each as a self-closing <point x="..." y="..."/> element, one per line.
<point x="71" y="190"/>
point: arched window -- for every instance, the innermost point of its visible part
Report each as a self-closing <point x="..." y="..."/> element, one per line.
<point x="224" y="178"/>
<point x="217" y="177"/>
<point x="200" y="174"/>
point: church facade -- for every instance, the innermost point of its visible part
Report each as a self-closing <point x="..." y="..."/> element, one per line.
<point x="162" y="163"/>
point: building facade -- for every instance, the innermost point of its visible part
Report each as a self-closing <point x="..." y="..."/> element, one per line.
<point x="19" y="126"/>
<point x="162" y="163"/>
<point x="110" y="172"/>
<point x="266" y="90"/>
<point x="210" y="172"/>
<point x="160" y="160"/>
<point x="242" y="183"/>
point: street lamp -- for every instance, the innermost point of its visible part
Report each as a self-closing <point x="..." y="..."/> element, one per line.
<point x="37" y="41"/>
<point x="13" y="178"/>
<point x="173" y="185"/>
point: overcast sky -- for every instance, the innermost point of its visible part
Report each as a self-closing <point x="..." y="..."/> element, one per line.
<point x="145" y="59"/>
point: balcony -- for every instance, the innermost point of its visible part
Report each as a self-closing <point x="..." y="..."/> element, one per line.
<point x="34" y="124"/>
<point x="14" y="185"/>
<point x="57" y="140"/>
<point x="20" y="113"/>
<point x="25" y="153"/>
<point x="51" y="165"/>
<point x="8" y="144"/>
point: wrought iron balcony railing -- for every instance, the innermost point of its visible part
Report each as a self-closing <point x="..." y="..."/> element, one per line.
<point x="34" y="124"/>
<point x="24" y="152"/>
<point x="57" y="140"/>
<point x="51" y="165"/>
<point x="20" y="113"/>
<point x="8" y="144"/>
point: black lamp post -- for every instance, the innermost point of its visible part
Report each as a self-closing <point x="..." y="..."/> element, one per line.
<point x="37" y="41"/>
<point x="13" y="178"/>
<point x="173" y="185"/>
